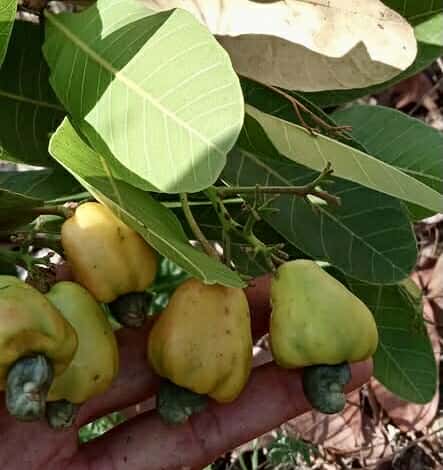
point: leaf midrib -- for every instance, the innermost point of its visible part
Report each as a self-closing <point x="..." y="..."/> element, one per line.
<point x="128" y="82"/>
<point x="392" y="170"/>
<point x="321" y="210"/>
<point x="24" y="99"/>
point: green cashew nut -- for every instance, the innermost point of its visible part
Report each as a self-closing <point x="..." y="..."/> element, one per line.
<point x="28" y="382"/>
<point x="61" y="414"/>
<point x="131" y="309"/>
<point x="176" y="404"/>
<point x="323" y="386"/>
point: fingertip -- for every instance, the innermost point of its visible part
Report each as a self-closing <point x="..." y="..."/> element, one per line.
<point x="63" y="272"/>
<point x="361" y="372"/>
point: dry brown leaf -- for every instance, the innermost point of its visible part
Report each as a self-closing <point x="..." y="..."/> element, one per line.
<point x="376" y="445"/>
<point x="416" y="89"/>
<point x="435" y="286"/>
<point x="339" y="433"/>
<point x="307" y="45"/>
<point x="407" y="416"/>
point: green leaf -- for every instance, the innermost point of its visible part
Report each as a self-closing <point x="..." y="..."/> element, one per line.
<point x="13" y="208"/>
<point x="415" y="11"/>
<point x="29" y="110"/>
<point x="404" y="361"/>
<point x="155" y="223"/>
<point x="43" y="184"/>
<point x="7" y="16"/>
<point x="10" y="200"/>
<point x="157" y="89"/>
<point x="395" y="138"/>
<point x="7" y="268"/>
<point x="297" y="144"/>
<point x="430" y="48"/>
<point x="369" y="237"/>
<point x="22" y="190"/>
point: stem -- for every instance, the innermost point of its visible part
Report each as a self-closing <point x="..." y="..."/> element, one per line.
<point x="60" y="210"/>
<point x="199" y="235"/>
<point x="36" y="239"/>
<point x="297" y="105"/>
<point x="177" y="204"/>
<point x="85" y="196"/>
<point x="28" y="383"/>
<point x="302" y="191"/>
<point x="230" y="225"/>
<point x="227" y="249"/>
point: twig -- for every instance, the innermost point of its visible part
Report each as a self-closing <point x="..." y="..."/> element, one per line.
<point x="64" y="211"/>
<point x="425" y="95"/>
<point x="297" y="105"/>
<point x="301" y="191"/>
<point x="402" y="449"/>
<point x="32" y="238"/>
<point x="199" y="235"/>
<point x="271" y="253"/>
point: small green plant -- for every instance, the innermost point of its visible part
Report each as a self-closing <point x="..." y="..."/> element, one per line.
<point x="285" y="451"/>
<point x="99" y="427"/>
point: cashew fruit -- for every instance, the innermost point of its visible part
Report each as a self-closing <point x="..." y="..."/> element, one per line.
<point x="95" y="363"/>
<point x="106" y="256"/>
<point x="316" y="320"/>
<point x="30" y="324"/>
<point x="202" y="340"/>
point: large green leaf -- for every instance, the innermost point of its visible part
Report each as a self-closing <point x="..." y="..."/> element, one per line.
<point x="157" y="89"/>
<point x="10" y="200"/>
<point x="404" y="362"/>
<point x="297" y="144"/>
<point x="14" y="209"/>
<point x="44" y="184"/>
<point x="404" y="142"/>
<point x="415" y="11"/>
<point x="29" y="110"/>
<point x="7" y="15"/>
<point x="430" y="47"/>
<point x="151" y="219"/>
<point x="369" y="237"/>
<point x="23" y="190"/>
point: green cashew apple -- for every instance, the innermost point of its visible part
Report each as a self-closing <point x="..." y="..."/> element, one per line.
<point x="317" y="321"/>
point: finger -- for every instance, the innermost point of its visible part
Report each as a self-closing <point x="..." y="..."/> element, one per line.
<point x="63" y="272"/>
<point x="134" y="383"/>
<point x="272" y="396"/>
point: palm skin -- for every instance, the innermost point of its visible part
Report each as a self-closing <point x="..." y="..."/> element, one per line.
<point x="144" y="441"/>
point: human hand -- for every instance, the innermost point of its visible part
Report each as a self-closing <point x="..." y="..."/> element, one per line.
<point x="271" y="397"/>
